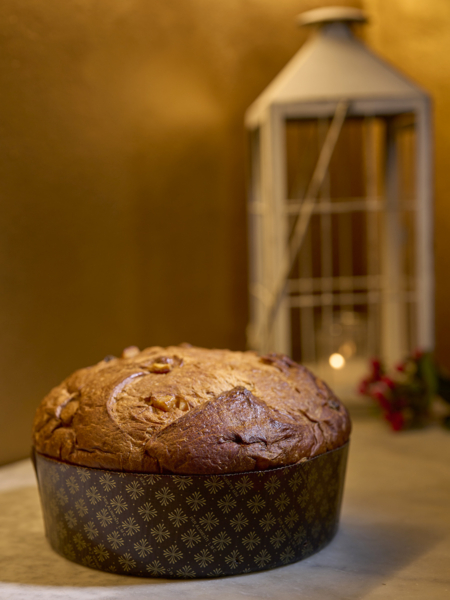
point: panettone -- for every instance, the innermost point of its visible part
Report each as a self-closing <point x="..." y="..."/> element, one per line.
<point x="188" y="410"/>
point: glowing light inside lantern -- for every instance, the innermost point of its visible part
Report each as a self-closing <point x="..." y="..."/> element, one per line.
<point x="337" y="361"/>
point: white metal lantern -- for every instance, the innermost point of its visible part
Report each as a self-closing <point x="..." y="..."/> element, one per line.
<point x="340" y="207"/>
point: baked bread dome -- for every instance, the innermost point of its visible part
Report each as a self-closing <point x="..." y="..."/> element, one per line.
<point x="188" y="410"/>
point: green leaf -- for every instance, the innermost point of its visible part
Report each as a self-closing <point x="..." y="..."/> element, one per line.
<point x="427" y="372"/>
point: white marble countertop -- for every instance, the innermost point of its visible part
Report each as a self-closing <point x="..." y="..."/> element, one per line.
<point x="393" y="542"/>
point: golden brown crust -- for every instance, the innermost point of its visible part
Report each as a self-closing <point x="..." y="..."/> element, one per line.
<point x="189" y="410"/>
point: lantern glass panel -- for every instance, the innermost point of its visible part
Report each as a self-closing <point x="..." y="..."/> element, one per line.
<point x="355" y="272"/>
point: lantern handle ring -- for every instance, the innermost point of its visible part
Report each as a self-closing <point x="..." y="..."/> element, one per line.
<point x="331" y="14"/>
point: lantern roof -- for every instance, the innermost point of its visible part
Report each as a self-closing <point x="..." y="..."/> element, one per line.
<point x="333" y="64"/>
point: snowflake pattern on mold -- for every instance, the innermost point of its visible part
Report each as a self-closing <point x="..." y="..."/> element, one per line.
<point x="127" y="562"/>
<point x="182" y="482"/>
<point x="221" y="540"/>
<point x="61" y="529"/>
<point x="309" y="514"/>
<point x="91" y="530"/>
<point x="267" y="522"/>
<point x="272" y="485"/>
<point x="130" y="526"/>
<point x="173" y="554"/>
<point x="93" y="495"/>
<point x="299" y="535"/>
<point x="256" y="503"/>
<point x="155" y="568"/>
<point x="295" y="481"/>
<point x="234" y="559"/>
<point x="292" y="518"/>
<point x="61" y="497"/>
<point x="251" y="540"/>
<point x="303" y="498"/>
<point x="54" y="476"/>
<point x="72" y="484"/>
<point x="209" y="521"/>
<point x="71" y="519"/>
<point x="107" y="482"/>
<point x="278" y="538"/>
<point x="69" y="551"/>
<point x="83" y="474"/>
<point x="151" y="479"/>
<point x="119" y="505"/>
<point x="143" y="547"/>
<point x="101" y="552"/>
<point x="214" y="484"/>
<point x="147" y="511"/>
<point x="282" y="502"/>
<point x="263" y="558"/>
<point x="239" y="522"/>
<point x="165" y="496"/>
<point x="196" y="501"/>
<point x="88" y="561"/>
<point x="79" y="541"/>
<point x="104" y="517"/>
<point x="203" y="558"/>
<point x="81" y="507"/>
<point x="160" y="533"/>
<point x="287" y="555"/>
<point x="135" y="490"/>
<point x="177" y="517"/>
<point x="186" y="571"/>
<point x="191" y="538"/>
<point x="244" y="484"/>
<point x="213" y="525"/>
<point x="227" y="503"/>
<point x="115" y="540"/>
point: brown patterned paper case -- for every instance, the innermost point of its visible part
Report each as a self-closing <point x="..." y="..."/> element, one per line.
<point x="191" y="526"/>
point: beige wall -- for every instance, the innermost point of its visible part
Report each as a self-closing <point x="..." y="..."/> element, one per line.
<point x="122" y="180"/>
<point x="415" y="36"/>
<point x="122" y="173"/>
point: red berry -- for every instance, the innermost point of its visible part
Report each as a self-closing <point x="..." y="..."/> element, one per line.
<point x="363" y="387"/>
<point x="397" y="420"/>
<point x="388" y="381"/>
